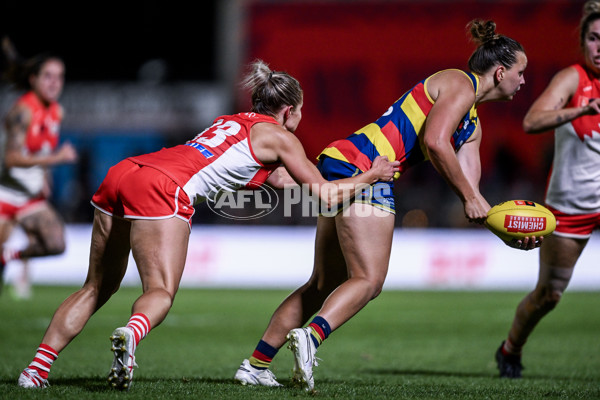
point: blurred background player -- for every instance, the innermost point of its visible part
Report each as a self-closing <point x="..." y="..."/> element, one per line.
<point x="145" y="205"/>
<point x="570" y="106"/>
<point x="436" y="120"/>
<point x="31" y="145"/>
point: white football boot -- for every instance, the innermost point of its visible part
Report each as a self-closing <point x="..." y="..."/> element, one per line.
<point x="30" y="378"/>
<point x="248" y="375"/>
<point x="304" y="351"/>
<point x="121" y="371"/>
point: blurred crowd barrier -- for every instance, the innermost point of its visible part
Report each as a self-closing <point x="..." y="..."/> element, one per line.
<point x="281" y="257"/>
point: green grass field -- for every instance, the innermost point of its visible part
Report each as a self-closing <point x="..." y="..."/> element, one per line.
<point x="404" y="345"/>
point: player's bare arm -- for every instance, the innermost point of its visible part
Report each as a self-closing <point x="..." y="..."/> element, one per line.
<point x="454" y="97"/>
<point x="469" y="158"/>
<point x="287" y="149"/>
<point x="470" y="162"/>
<point x="549" y="112"/>
<point x="281" y="178"/>
<point x="17" y="123"/>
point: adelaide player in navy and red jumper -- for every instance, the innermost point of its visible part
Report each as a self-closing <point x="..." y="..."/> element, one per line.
<point x="435" y="120"/>
<point x="145" y="205"/>
<point x="31" y="146"/>
<point x="570" y="107"/>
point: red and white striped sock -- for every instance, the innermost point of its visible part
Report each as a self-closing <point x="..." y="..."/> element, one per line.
<point x="140" y="325"/>
<point x="43" y="360"/>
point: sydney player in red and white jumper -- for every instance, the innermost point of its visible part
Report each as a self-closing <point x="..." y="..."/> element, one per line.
<point x="145" y="204"/>
<point x="31" y="138"/>
<point x="570" y="106"/>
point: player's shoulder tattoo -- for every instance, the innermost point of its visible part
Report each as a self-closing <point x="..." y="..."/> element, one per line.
<point x="18" y="119"/>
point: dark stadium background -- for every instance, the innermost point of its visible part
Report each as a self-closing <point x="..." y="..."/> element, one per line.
<point x="146" y="75"/>
<point x="111" y="40"/>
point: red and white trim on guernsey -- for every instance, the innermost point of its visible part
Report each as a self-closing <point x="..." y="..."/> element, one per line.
<point x="219" y="158"/>
<point x="140" y="325"/>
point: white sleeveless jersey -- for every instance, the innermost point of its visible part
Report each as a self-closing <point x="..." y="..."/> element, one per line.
<point x="218" y="159"/>
<point x="574" y="184"/>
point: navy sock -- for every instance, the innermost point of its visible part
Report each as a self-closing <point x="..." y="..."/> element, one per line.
<point x="263" y="355"/>
<point x="320" y="330"/>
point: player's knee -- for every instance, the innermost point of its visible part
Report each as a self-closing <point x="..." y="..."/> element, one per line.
<point x="325" y="288"/>
<point x="55" y="246"/>
<point x="93" y="294"/>
<point x="376" y="287"/>
<point x="100" y="291"/>
<point x="553" y="298"/>
<point x="549" y="298"/>
<point x="321" y="285"/>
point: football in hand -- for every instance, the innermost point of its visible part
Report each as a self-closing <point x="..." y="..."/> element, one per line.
<point x="516" y="219"/>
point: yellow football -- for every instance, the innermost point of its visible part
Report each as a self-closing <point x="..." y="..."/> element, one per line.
<point x="516" y="219"/>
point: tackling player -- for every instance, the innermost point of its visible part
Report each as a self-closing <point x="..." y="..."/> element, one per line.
<point x="145" y="205"/>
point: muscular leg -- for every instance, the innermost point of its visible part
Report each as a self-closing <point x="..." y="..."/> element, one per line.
<point x="109" y="253"/>
<point x="366" y="241"/>
<point x="6" y="227"/>
<point x="558" y="256"/>
<point x="45" y="229"/>
<point x="352" y="254"/>
<point x="329" y="272"/>
<point x="23" y="283"/>
<point x="159" y="248"/>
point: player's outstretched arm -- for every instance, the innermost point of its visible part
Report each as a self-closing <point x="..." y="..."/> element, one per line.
<point x="272" y="143"/>
<point x="549" y="112"/>
<point x="294" y="158"/>
<point x="281" y="178"/>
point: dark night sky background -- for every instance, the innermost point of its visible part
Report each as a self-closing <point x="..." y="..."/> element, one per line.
<point x="106" y="41"/>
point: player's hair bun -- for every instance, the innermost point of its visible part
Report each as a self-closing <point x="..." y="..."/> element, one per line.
<point x="591" y="7"/>
<point x="482" y="31"/>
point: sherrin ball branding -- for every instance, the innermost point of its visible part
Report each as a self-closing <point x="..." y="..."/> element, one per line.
<point x="519" y="224"/>
<point x="517" y="219"/>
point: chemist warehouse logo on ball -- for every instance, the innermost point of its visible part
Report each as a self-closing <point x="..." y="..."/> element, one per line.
<point x="519" y="224"/>
<point x="305" y="201"/>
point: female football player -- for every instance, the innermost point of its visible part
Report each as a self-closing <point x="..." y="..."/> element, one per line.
<point x="145" y="205"/>
<point x="32" y="129"/>
<point x="570" y="107"/>
<point x="435" y="120"/>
